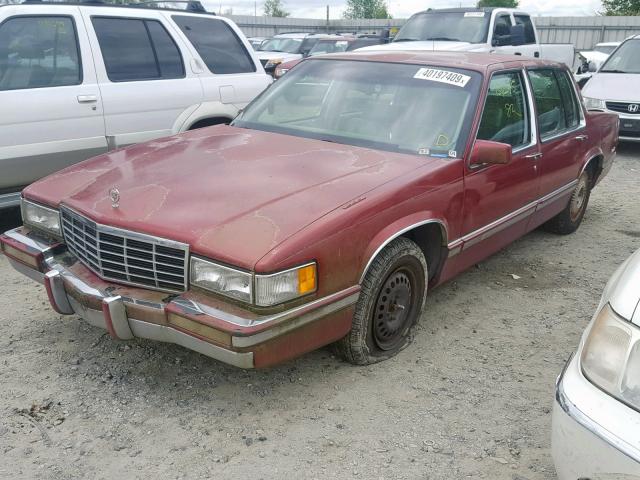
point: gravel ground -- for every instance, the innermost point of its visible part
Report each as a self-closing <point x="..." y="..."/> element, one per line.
<point x="470" y="398"/>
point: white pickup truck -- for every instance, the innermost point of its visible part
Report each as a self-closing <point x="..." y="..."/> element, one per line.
<point x="492" y="30"/>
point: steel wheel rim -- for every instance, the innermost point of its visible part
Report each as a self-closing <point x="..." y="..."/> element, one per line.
<point x="393" y="309"/>
<point x="579" y="198"/>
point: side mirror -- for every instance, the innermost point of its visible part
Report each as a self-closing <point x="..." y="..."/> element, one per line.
<point x="486" y="152"/>
<point x="517" y="35"/>
<point x="593" y="67"/>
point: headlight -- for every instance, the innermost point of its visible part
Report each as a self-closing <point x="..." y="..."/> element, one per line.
<point x="611" y="357"/>
<point x="256" y="289"/>
<point x="40" y="217"/>
<point x="273" y="63"/>
<point x="595" y="103"/>
<point x="220" y="279"/>
<point x="280" y="72"/>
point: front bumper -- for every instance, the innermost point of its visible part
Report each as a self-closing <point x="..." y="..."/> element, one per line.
<point x="594" y="436"/>
<point x="193" y="320"/>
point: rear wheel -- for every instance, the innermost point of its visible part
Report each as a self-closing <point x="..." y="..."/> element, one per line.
<point x="570" y="218"/>
<point x="390" y="304"/>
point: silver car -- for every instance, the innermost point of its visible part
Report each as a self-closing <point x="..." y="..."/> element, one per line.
<point x="596" y="415"/>
<point x="615" y="87"/>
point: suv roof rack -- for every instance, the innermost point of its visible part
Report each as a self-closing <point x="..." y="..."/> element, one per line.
<point x="191" y="6"/>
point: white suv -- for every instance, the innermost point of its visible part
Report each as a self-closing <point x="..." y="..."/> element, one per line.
<point x="77" y="80"/>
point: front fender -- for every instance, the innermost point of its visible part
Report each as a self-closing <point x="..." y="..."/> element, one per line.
<point x="203" y="111"/>
<point x="398" y="228"/>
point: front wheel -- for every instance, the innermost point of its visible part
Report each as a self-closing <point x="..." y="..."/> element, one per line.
<point x="568" y="220"/>
<point x="390" y="304"/>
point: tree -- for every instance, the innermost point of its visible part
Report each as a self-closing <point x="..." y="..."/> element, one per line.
<point x="621" y="7"/>
<point x="275" y="8"/>
<point x="366" y="9"/>
<point x="498" y="3"/>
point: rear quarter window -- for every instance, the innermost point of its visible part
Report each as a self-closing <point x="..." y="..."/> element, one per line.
<point x="217" y="44"/>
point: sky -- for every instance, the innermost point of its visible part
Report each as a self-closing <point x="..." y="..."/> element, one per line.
<point x="404" y="8"/>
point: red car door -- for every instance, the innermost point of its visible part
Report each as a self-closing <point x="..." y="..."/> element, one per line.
<point x="562" y="133"/>
<point x="499" y="199"/>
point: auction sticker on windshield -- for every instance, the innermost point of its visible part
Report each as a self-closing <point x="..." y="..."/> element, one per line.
<point x="443" y="76"/>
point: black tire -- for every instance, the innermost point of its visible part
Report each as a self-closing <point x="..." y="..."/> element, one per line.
<point x="569" y="219"/>
<point x="393" y="296"/>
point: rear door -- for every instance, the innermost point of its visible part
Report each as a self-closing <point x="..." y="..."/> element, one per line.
<point x="51" y="110"/>
<point x="147" y="89"/>
<point x="562" y="132"/>
<point x="499" y="199"/>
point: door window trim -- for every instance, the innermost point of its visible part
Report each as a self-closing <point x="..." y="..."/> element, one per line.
<point x="78" y="49"/>
<point x="151" y="43"/>
<point x="567" y="131"/>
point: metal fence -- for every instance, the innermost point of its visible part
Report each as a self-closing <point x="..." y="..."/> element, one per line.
<point x="583" y="32"/>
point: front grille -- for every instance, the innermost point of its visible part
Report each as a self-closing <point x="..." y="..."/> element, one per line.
<point x="623" y="107"/>
<point x="126" y="257"/>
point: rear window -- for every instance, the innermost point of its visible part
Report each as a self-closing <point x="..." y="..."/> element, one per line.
<point x="529" y="31"/>
<point x="136" y="49"/>
<point x="217" y="44"/>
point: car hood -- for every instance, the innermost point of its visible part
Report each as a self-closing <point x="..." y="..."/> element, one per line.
<point x="623" y="289"/>
<point x="232" y="194"/>
<point x="613" y="86"/>
<point x="285" y="57"/>
<point x="431" y="46"/>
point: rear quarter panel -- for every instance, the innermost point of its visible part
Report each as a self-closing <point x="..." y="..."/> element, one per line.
<point x="603" y="131"/>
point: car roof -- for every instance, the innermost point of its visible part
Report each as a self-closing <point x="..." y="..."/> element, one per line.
<point x="481" y="62"/>
<point x="471" y="9"/>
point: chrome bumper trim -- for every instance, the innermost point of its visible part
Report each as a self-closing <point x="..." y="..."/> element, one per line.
<point x="9" y="200"/>
<point x="629" y="139"/>
<point x="575" y="413"/>
<point x="26" y="271"/>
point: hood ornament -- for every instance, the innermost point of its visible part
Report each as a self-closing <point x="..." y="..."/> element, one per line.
<point x="114" y="194"/>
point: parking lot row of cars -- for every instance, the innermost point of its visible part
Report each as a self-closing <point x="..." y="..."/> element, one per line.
<point x="331" y="204"/>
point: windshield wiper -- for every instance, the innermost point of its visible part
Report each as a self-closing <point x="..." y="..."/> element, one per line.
<point x="613" y="71"/>
<point x="406" y="40"/>
<point x="443" y="39"/>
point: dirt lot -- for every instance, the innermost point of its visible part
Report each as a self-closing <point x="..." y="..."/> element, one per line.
<point x="471" y="398"/>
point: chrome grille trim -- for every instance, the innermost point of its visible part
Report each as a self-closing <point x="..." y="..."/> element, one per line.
<point x="622" y="107"/>
<point x="124" y="256"/>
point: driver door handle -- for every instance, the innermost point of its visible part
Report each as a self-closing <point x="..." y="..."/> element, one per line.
<point x="534" y="156"/>
<point x="87" y="98"/>
<point x="582" y="138"/>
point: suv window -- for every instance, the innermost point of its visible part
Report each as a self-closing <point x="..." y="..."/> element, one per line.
<point x="505" y="117"/>
<point x="39" y="51"/>
<point x="502" y="30"/>
<point x="529" y="31"/>
<point x="571" y="105"/>
<point x="137" y="49"/>
<point x="217" y="44"/>
<point x="551" y="115"/>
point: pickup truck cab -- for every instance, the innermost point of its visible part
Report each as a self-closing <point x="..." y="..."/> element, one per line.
<point x="77" y="80"/>
<point x="489" y="30"/>
<point x="325" y="212"/>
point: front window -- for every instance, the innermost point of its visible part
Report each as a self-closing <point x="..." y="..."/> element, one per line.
<point x="471" y="27"/>
<point x="395" y="107"/>
<point x="624" y="60"/>
<point x="329" y="46"/>
<point x="284" y="45"/>
<point x="606" y="49"/>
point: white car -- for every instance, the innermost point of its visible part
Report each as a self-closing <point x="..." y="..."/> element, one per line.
<point x="615" y="87"/>
<point x="596" y="416"/>
<point x="492" y="30"/>
<point x="77" y="80"/>
<point x="591" y="60"/>
<point x="286" y="47"/>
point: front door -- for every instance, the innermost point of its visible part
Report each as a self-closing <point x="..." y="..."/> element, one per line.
<point x="50" y="105"/>
<point x="499" y="199"/>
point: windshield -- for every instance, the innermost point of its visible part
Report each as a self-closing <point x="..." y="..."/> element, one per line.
<point x="471" y="27"/>
<point x="329" y="46"/>
<point x="624" y="60"/>
<point x="284" y="45"/>
<point x="386" y="106"/>
<point x="605" y="49"/>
